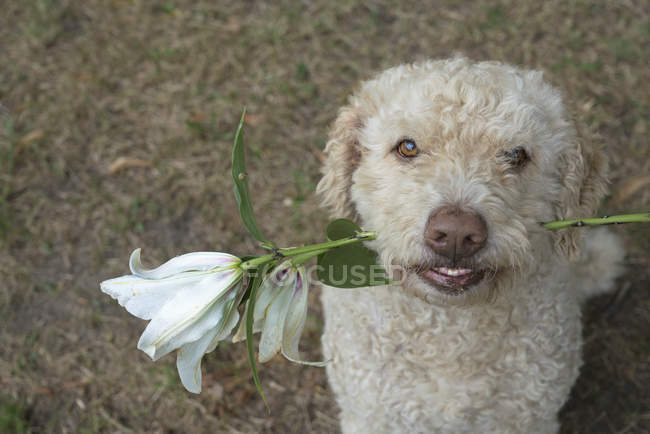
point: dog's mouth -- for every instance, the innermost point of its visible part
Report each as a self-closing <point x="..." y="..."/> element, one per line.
<point x="452" y="281"/>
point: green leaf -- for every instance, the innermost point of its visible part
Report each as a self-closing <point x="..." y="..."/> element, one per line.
<point x="352" y="265"/>
<point x="250" y="343"/>
<point x="239" y="175"/>
<point x="341" y="228"/>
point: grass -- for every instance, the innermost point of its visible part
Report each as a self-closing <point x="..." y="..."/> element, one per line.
<point x="13" y="417"/>
<point x="83" y="84"/>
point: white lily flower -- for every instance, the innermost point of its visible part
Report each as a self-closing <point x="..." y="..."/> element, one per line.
<point x="280" y="313"/>
<point x="192" y="302"/>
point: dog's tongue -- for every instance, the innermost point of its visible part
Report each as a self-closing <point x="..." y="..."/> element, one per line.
<point x="455" y="278"/>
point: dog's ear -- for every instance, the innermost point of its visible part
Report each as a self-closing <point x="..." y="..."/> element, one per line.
<point x="583" y="172"/>
<point x="343" y="155"/>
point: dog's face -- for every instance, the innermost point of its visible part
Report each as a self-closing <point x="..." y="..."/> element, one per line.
<point x="455" y="164"/>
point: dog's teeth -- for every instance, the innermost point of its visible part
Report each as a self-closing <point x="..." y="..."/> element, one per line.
<point x="454" y="272"/>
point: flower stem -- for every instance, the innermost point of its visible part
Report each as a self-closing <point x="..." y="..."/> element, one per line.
<point x="607" y="220"/>
<point x="300" y="259"/>
<point x="313" y="248"/>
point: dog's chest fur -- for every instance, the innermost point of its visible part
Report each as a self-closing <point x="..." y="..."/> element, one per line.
<point x="419" y="367"/>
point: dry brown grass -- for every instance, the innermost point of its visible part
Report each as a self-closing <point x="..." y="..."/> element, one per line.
<point x="83" y="84"/>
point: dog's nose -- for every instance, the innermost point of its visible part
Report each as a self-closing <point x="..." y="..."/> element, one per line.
<point x="455" y="234"/>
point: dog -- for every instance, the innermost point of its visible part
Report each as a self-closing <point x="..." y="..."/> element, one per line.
<point x="455" y="163"/>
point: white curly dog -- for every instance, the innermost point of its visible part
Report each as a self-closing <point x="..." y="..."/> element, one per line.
<point x="455" y="163"/>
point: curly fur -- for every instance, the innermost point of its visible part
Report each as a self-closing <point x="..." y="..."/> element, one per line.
<point x="502" y="356"/>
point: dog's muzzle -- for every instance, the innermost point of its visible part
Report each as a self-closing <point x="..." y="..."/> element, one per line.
<point x="455" y="236"/>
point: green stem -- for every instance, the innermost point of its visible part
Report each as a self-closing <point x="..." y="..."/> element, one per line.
<point x="610" y="220"/>
<point x="294" y="251"/>
<point x="300" y="259"/>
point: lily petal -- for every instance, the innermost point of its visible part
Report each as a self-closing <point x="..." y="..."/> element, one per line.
<point x="240" y="334"/>
<point x="188" y="360"/>
<point x="258" y="325"/>
<point x="271" y="340"/>
<point x="295" y="322"/>
<point x="145" y="297"/>
<point x="268" y="292"/>
<point x="223" y="330"/>
<point x="190" y="314"/>
<point x="197" y="261"/>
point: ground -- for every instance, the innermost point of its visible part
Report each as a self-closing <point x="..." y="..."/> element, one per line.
<point x="116" y="124"/>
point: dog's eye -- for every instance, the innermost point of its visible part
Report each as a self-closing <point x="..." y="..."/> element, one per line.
<point x="407" y="148"/>
<point x="517" y="157"/>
